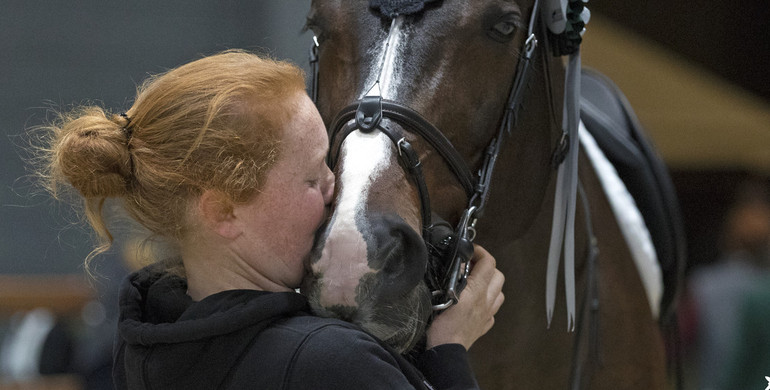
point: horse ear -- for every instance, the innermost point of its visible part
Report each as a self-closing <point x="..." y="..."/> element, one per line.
<point x="216" y="211"/>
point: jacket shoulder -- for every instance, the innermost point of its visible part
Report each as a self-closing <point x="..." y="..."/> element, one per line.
<point x="307" y="352"/>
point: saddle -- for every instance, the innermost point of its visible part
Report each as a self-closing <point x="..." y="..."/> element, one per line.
<point x="608" y="116"/>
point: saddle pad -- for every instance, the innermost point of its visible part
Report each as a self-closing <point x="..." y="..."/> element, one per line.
<point x="608" y="116"/>
<point x="630" y="222"/>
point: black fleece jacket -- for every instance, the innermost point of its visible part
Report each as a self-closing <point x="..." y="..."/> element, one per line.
<point x="247" y="339"/>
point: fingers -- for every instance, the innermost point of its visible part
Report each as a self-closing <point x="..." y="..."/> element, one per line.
<point x="473" y="315"/>
<point x="497" y="304"/>
<point x="499" y="299"/>
<point x="485" y="271"/>
<point x="496" y="283"/>
<point x="482" y="257"/>
<point x="483" y="264"/>
<point x="489" y="277"/>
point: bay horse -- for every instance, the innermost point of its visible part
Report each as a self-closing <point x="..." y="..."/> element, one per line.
<point x="450" y="65"/>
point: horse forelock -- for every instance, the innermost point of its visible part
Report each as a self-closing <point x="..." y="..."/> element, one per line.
<point x="394" y="8"/>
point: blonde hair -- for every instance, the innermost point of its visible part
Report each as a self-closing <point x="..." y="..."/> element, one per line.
<point x="212" y="124"/>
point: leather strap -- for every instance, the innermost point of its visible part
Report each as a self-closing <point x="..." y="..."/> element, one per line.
<point x="412" y="120"/>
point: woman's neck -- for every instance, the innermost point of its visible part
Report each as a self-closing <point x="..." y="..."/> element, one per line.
<point x="212" y="270"/>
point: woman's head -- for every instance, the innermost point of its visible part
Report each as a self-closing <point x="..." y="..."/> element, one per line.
<point x="214" y="124"/>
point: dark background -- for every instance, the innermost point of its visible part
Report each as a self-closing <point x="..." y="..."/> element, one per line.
<point x="730" y="38"/>
<point x="57" y="54"/>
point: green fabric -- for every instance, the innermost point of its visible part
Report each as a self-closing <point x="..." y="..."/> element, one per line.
<point x="750" y="362"/>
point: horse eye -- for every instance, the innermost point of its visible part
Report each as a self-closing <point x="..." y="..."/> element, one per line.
<point x="504" y="28"/>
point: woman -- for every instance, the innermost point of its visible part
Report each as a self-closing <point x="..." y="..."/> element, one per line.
<point x="225" y="157"/>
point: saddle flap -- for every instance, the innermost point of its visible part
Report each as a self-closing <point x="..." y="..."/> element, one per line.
<point x="609" y="118"/>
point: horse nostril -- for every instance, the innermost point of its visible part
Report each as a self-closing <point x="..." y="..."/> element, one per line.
<point x="398" y="252"/>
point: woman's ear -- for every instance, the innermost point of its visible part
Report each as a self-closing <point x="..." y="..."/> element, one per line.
<point x="216" y="209"/>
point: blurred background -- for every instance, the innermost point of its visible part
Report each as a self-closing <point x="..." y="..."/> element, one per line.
<point x="697" y="76"/>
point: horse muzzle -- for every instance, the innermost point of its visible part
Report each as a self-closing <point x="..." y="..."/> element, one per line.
<point x="362" y="271"/>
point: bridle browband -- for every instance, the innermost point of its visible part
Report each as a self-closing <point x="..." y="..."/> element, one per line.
<point x="456" y="246"/>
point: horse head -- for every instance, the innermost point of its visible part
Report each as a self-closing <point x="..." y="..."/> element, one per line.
<point x="451" y="65"/>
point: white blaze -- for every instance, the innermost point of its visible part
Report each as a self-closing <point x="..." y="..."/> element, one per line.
<point x="363" y="158"/>
<point x="389" y="58"/>
<point x="343" y="260"/>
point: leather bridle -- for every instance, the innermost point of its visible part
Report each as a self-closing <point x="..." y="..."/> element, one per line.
<point x="456" y="247"/>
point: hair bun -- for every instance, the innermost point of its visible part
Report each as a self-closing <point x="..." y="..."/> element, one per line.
<point x="91" y="153"/>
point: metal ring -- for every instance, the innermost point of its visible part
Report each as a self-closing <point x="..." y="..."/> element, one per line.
<point x="399" y="143"/>
<point x="472" y="231"/>
<point x="530" y="44"/>
<point x="444" y="305"/>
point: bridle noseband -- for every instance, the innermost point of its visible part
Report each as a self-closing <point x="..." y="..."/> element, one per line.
<point x="366" y="116"/>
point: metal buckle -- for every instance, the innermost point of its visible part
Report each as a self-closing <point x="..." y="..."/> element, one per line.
<point x="313" y="60"/>
<point x="529" y="45"/>
<point x="461" y="260"/>
<point x="400" y="145"/>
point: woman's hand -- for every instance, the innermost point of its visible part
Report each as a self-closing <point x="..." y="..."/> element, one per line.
<point x="473" y="315"/>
